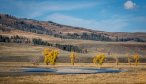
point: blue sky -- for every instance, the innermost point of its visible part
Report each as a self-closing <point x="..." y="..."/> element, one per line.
<point x="104" y="15"/>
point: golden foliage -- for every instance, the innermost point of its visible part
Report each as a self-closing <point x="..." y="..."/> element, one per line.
<point x="50" y="56"/>
<point x="136" y="58"/>
<point x="99" y="59"/>
<point x="72" y="57"/>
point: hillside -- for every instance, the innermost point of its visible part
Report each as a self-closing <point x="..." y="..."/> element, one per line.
<point x="32" y="32"/>
<point x="67" y="32"/>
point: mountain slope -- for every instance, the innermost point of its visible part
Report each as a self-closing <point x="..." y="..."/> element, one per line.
<point x="67" y="32"/>
<point x="67" y="37"/>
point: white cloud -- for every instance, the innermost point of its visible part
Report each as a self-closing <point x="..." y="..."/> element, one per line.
<point x="111" y="24"/>
<point x="129" y="5"/>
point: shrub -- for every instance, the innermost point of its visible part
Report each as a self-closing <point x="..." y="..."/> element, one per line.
<point x="99" y="59"/>
<point x="50" y="56"/>
<point x="72" y="57"/>
<point x="136" y="58"/>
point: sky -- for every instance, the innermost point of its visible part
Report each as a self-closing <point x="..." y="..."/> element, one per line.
<point x="103" y="15"/>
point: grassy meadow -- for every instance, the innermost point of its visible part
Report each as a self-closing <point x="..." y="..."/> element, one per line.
<point x="14" y="56"/>
<point x="134" y="75"/>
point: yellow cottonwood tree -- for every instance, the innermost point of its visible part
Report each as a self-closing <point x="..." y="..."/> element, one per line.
<point x="46" y="52"/>
<point x="136" y="58"/>
<point x="50" y="56"/>
<point x="99" y="59"/>
<point x="72" y="57"/>
<point x="53" y="57"/>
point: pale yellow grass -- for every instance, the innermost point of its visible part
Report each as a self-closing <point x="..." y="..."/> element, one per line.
<point x="135" y="75"/>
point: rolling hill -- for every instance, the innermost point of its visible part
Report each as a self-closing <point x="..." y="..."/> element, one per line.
<point x="66" y="32"/>
<point x="47" y="33"/>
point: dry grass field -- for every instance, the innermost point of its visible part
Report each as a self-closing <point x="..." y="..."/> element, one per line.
<point x="12" y="57"/>
<point x="134" y="75"/>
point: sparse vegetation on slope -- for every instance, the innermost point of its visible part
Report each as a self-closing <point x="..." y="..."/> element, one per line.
<point x="37" y="41"/>
<point x="65" y="32"/>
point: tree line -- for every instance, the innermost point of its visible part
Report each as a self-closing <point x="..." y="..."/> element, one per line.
<point x="131" y="39"/>
<point x="38" y="41"/>
<point x="14" y="39"/>
<point x="84" y="36"/>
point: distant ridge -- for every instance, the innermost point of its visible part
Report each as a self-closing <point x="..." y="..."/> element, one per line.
<point x="65" y="31"/>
